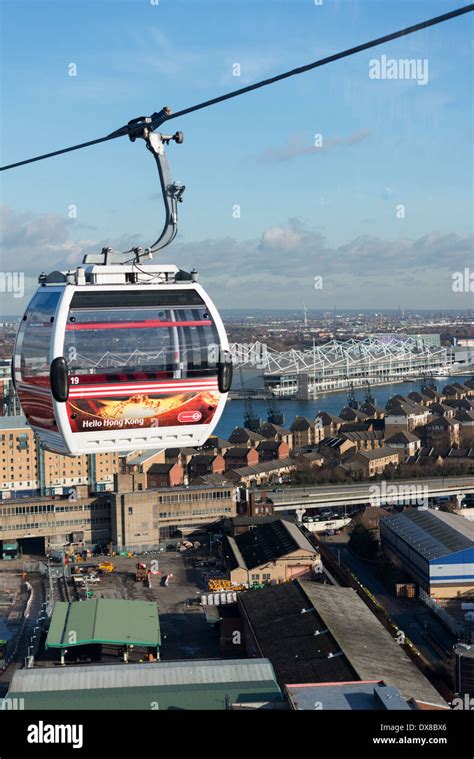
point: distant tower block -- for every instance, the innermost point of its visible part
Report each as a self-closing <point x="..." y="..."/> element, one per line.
<point x="303" y="387"/>
<point x="305" y="321"/>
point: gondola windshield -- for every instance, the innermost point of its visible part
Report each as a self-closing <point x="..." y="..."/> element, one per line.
<point x="139" y="342"/>
<point x="141" y="360"/>
<point x="31" y="363"/>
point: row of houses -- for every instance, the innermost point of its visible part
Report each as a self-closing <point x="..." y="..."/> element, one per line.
<point x="423" y="427"/>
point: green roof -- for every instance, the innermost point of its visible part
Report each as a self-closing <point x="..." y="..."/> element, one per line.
<point x="189" y="685"/>
<point x="104" y="620"/>
<point x="190" y="697"/>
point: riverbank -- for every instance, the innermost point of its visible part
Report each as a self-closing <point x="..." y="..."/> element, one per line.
<point x="330" y="401"/>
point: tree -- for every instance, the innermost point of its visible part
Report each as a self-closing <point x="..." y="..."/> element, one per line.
<point x="363" y="542"/>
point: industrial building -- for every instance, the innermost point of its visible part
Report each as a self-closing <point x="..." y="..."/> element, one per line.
<point x="358" y="696"/>
<point x="39" y="525"/>
<point x="213" y="684"/>
<point x="127" y="518"/>
<point x="275" y="551"/>
<point x="85" y="630"/>
<point x="145" y="517"/>
<point x="436" y="548"/>
<point x="315" y="633"/>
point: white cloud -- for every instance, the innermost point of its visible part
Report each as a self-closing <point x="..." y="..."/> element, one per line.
<point x="299" y="145"/>
<point x="273" y="271"/>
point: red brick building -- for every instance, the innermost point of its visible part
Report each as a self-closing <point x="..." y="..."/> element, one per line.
<point x="165" y="475"/>
<point x="272" y="450"/>
<point x="206" y="463"/>
<point x="240" y="457"/>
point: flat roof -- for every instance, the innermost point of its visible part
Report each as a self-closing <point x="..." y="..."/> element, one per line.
<point x="140" y="458"/>
<point x="190" y="684"/>
<point x="364" y="696"/>
<point x="13" y="422"/>
<point x="104" y="621"/>
<point x="184" y="489"/>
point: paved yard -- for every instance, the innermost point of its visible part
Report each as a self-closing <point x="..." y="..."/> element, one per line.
<point x="185" y="632"/>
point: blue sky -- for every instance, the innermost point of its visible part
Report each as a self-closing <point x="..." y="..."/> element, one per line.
<point x="304" y="213"/>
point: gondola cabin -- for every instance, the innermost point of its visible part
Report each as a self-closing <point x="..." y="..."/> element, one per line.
<point x="121" y="357"/>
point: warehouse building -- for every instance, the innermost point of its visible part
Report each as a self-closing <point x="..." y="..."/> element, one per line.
<point x="274" y="551"/>
<point x="38" y="525"/>
<point x="213" y="684"/>
<point x="91" y="630"/>
<point x="436" y="548"/>
<point x="316" y="633"/>
<point x="130" y="518"/>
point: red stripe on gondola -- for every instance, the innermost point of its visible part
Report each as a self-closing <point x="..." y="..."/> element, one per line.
<point x="137" y="325"/>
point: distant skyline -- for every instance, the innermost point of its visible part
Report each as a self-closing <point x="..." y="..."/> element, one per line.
<point x="293" y="192"/>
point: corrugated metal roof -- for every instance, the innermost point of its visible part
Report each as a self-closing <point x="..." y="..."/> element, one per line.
<point x="182" y="697"/>
<point x="159" y="674"/>
<point x="432" y="534"/>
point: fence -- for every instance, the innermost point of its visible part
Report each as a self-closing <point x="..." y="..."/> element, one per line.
<point x="462" y="631"/>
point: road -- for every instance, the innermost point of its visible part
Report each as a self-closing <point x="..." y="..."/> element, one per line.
<point x="410" y="615"/>
<point x="27" y="632"/>
<point x="393" y="491"/>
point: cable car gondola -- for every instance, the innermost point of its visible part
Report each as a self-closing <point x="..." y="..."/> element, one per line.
<point x="120" y="354"/>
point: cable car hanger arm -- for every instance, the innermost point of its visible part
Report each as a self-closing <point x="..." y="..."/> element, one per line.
<point x="143" y="127"/>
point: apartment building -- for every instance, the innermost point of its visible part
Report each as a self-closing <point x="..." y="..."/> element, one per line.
<point x="305" y="432"/>
<point x="276" y="432"/>
<point x="374" y="462"/>
<point x="28" y="469"/>
<point x="404" y="416"/>
<point x="406" y="442"/>
<point x="441" y="432"/>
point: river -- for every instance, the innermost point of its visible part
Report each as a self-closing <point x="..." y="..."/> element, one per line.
<point x="233" y="415"/>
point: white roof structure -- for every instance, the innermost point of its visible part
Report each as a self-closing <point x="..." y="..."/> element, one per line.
<point x="339" y="355"/>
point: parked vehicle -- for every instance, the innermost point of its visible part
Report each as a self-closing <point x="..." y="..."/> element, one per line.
<point x="106" y="566"/>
